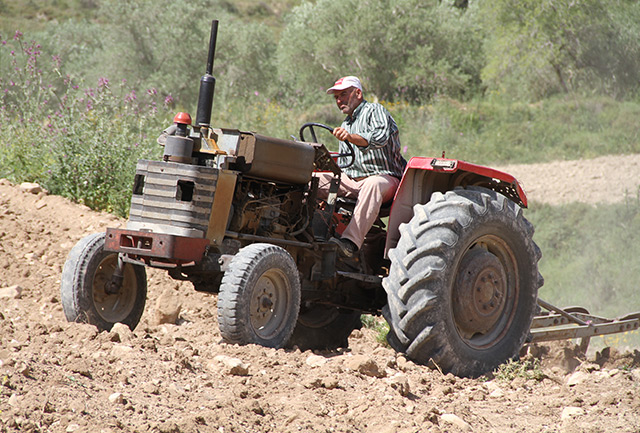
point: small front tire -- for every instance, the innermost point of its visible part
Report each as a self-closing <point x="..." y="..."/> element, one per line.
<point x="259" y="297"/>
<point x="84" y="292"/>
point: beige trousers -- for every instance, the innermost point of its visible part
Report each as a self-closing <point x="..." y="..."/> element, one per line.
<point x="369" y="193"/>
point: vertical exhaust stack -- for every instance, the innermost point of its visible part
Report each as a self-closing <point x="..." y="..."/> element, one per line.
<point x="207" y="83"/>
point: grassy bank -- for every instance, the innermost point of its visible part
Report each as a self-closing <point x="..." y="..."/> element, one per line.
<point x="490" y="131"/>
<point x="590" y="259"/>
<point x="497" y="130"/>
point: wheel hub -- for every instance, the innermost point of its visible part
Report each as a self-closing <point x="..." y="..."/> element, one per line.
<point x="479" y="294"/>
<point x="268" y="302"/>
<point x="263" y="303"/>
<point x="113" y="306"/>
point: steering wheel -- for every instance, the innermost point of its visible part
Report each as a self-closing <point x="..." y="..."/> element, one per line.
<point x="351" y="154"/>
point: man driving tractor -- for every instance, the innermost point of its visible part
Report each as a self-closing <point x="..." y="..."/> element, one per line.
<point x="378" y="164"/>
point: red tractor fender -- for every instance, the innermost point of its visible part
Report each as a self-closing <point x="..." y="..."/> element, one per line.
<point x="424" y="176"/>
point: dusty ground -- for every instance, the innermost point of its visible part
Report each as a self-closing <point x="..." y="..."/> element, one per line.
<point x="61" y="377"/>
<point x="607" y="179"/>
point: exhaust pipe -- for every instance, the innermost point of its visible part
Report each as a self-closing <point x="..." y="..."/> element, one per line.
<point x="207" y="84"/>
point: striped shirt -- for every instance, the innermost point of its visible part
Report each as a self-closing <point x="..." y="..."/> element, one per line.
<point x="374" y="123"/>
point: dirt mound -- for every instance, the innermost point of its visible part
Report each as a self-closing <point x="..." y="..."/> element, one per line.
<point x="57" y="376"/>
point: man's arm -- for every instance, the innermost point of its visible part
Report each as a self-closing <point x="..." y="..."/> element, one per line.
<point x="341" y="134"/>
<point x="378" y="127"/>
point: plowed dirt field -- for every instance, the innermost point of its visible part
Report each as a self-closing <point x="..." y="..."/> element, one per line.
<point x="64" y="377"/>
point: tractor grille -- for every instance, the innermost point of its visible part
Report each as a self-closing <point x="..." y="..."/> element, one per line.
<point x="172" y="198"/>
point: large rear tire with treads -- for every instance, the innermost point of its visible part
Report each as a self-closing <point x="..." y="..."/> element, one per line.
<point x="463" y="282"/>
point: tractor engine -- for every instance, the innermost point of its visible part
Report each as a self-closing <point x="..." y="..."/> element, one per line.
<point x="267" y="209"/>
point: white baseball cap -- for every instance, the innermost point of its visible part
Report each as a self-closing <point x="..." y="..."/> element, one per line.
<point x="345" y="83"/>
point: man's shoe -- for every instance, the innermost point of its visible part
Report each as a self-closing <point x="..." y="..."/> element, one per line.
<point x="346" y="248"/>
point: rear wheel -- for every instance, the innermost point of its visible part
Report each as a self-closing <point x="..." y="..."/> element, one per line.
<point x="324" y="327"/>
<point x="259" y="297"/>
<point x="463" y="282"/>
<point x="86" y="287"/>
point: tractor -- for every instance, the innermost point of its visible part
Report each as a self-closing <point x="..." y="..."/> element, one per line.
<point x="450" y="263"/>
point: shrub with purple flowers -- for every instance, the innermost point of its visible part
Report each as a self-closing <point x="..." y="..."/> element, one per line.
<point x="77" y="141"/>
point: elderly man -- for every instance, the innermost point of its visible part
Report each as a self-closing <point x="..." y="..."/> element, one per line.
<point x="378" y="167"/>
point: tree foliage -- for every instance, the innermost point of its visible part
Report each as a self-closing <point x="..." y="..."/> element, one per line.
<point x="538" y="48"/>
<point x="156" y="44"/>
<point x="401" y="49"/>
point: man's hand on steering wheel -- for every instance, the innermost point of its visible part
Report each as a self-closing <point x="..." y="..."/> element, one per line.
<point x="350" y="155"/>
<point x="341" y="134"/>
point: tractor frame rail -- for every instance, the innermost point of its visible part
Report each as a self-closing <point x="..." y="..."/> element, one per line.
<point x="576" y="322"/>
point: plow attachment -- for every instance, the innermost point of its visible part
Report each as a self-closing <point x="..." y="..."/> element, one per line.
<point x="576" y="322"/>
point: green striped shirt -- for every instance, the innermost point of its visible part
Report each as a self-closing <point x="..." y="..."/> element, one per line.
<point x="374" y="123"/>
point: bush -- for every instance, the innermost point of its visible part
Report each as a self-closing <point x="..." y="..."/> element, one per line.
<point x="170" y="52"/>
<point x="588" y="254"/>
<point x="538" y="49"/>
<point x="81" y="144"/>
<point x="402" y="50"/>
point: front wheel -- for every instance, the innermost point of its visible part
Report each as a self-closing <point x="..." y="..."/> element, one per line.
<point x="463" y="282"/>
<point x="259" y="297"/>
<point x="86" y="289"/>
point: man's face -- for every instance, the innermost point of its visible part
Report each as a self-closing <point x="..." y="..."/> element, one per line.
<point x="348" y="100"/>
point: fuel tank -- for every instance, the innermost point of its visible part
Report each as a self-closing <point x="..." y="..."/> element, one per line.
<point x="275" y="159"/>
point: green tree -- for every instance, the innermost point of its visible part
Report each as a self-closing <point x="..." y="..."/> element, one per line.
<point x="401" y="49"/>
<point x="81" y="143"/>
<point x="245" y="60"/>
<point x="161" y="46"/>
<point x="155" y="43"/>
<point x="538" y="48"/>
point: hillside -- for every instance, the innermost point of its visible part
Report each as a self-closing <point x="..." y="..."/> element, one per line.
<point x="605" y="179"/>
<point x="61" y="377"/>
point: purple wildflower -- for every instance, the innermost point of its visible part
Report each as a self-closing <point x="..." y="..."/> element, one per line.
<point x="130" y="97"/>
